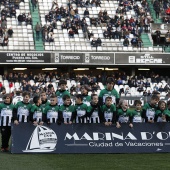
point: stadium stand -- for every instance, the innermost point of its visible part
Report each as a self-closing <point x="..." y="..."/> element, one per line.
<point x="80" y="41"/>
<point x="22" y="37"/>
<point x="128" y="19"/>
<point x="122" y="19"/>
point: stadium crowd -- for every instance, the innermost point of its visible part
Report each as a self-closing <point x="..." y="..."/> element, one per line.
<point x="8" y="10"/>
<point x="123" y="26"/>
<point x="137" y="85"/>
<point x="117" y="27"/>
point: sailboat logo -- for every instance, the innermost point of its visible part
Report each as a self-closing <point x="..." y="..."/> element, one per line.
<point x="43" y="139"/>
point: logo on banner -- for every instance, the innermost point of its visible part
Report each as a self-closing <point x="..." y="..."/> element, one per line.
<point x="87" y="57"/>
<point x="146" y="58"/>
<point x="57" y="58"/>
<point x="43" y="139"/>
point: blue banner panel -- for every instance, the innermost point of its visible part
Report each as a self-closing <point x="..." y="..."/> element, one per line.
<point x="91" y="138"/>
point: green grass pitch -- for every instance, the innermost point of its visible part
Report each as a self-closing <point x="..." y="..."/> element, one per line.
<point x="10" y="161"/>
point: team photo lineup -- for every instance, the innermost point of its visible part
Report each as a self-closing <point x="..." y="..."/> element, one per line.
<point x="61" y="107"/>
<point x="84" y="84"/>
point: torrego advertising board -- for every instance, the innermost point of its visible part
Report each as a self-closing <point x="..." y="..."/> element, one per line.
<point x="90" y="138"/>
<point x="84" y="58"/>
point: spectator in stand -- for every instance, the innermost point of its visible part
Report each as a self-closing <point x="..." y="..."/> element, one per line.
<point x="140" y="88"/>
<point x="166" y="88"/>
<point x="100" y="14"/>
<point x="166" y="19"/>
<point x="104" y="12"/>
<point x="126" y="4"/>
<point x="72" y="13"/>
<point x="37" y="29"/>
<point x="29" y="21"/>
<point x="112" y="34"/>
<point x="47" y="18"/>
<point x="94" y="42"/>
<point x="76" y="11"/>
<point x="13" y="12"/>
<point x="158" y="36"/>
<point x="86" y="32"/>
<point x="139" y="42"/>
<point x="71" y="33"/>
<point x="10" y="32"/>
<point x="64" y="26"/>
<point x="34" y="4"/>
<point x="134" y="42"/>
<point x="118" y="10"/>
<point x="109" y="28"/>
<point x="16" y="4"/>
<point x="87" y="3"/>
<point x="99" y="42"/>
<point x="119" y="81"/>
<point x="20" y="19"/>
<point x="106" y="34"/>
<point x="75" y="29"/>
<point x="24" y="17"/>
<point x="156" y="6"/>
<point x="90" y="34"/>
<point x="5" y="42"/>
<point x="11" y="85"/>
<point x="146" y="23"/>
<point x="1" y="40"/>
<point x="118" y="33"/>
<point x="93" y="4"/>
<point x="127" y="91"/>
<point x="93" y="21"/>
<point x="106" y="18"/>
<point x="45" y="35"/>
<point x="167" y="35"/>
<point x="160" y="89"/>
<point x="1" y="32"/>
<point x="126" y="33"/>
<point x="84" y="23"/>
<point x="112" y="21"/>
<point x="149" y="93"/>
<point x="50" y="28"/>
<point x="126" y="42"/>
<point x="157" y="10"/>
<point x="1" y="85"/>
<point x="3" y="23"/>
<point x="145" y="93"/>
<point x="51" y="37"/>
<point x="54" y="4"/>
<point x="86" y="13"/>
<point x="155" y="88"/>
<point x="168" y="96"/>
<point x="147" y="84"/>
<point x="103" y="22"/>
<point x="165" y="4"/>
<point x="132" y="22"/>
<point x="54" y="24"/>
<point x="158" y="78"/>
